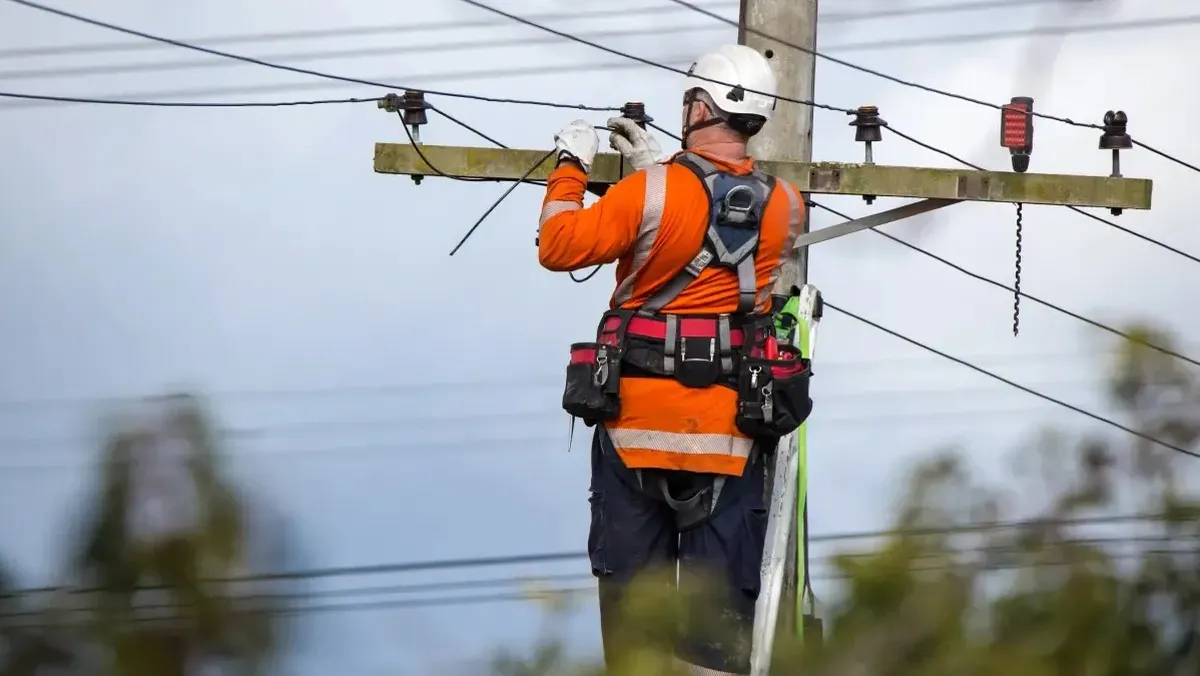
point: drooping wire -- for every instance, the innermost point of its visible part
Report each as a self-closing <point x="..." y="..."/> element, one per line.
<point x="1000" y="285"/>
<point x="587" y="277"/>
<point x="495" y="204"/>
<point x="472" y="179"/>
<point x="1017" y="274"/>
<point x="421" y="154"/>
<point x="1028" y="390"/>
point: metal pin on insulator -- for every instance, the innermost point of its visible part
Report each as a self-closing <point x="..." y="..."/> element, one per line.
<point x="868" y="130"/>
<point x="412" y="108"/>
<point x="1116" y="138"/>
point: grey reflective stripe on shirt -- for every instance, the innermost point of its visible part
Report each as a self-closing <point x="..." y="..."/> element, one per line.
<point x="652" y="213"/>
<point x="795" y="228"/>
<point x="555" y="207"/>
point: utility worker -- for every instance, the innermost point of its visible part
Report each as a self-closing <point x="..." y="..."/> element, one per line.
<point x="675" y="380"/>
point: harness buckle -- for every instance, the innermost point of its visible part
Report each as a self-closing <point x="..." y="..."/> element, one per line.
<point x="737" y="207"/>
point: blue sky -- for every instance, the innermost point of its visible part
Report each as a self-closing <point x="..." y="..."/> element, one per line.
<point x="399" y="404"/>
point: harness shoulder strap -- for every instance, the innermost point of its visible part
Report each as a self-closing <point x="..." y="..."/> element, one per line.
<point x="712" y="247"/>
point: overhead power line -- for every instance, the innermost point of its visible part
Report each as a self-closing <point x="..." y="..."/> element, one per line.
<point x="48" y="98"/>
<point x="1039" y="301"/>
<point x="164" y="98"/>
<point x="1094" y="416"/>
<point x="918" y="565"/>
<point x="574" y="38"/>
<point x="432" y="26"/>
<point x="563" y="556"/>
<point x="1112" y="224"/>
<point x="897" y="80"/>
<point x="463" y="45"/>
<point x="539" y="589"/>
<point x="302" y="71"/>
<point x="346" y="53"/>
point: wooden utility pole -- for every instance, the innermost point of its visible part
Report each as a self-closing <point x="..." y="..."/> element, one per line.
<point x="787" y="137"/>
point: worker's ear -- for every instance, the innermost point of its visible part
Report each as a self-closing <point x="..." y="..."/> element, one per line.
<point x="699" y="113"/>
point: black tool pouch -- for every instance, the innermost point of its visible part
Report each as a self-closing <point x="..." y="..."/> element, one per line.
<point x="592" y="390"/>
<point x="773" y="394"/>
<point x="695" y="362"/>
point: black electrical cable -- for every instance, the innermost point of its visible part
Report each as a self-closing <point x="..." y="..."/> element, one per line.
<point x="664" y="131"/>
<point x="587" y="277"/>
<point x="475" y="3"/>
<point x="1011" y="383"/>
<point x="1017" y="269"/>
<point x="486" y="74"/>
<point x="616" y="52"/>
<point x="855" y="66"/>
<point x="575" y="38"/>
<point x="344" y="32"/>
<point x="1166" y="156"/>
<point x="182" y="104"/>
<point x="300" y="71"/>
<point x="466" y="126"/>
<point x="495" y="204"/>
<point x="909" y="83"/>
<point x="623" y="13"/>
<point x="1112" y="224"/>
<point x="559" y="557"/>
<point x="1044" y="303"/>
<point x="420" y="153"/>
<point x="466" y="179"/>
<point x="394" y="50"/>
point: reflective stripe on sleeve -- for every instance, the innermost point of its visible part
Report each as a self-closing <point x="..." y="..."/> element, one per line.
<point x="652" y="213"/>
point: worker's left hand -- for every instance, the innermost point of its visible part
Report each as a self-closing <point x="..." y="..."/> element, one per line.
<point x="638" y="146"/>
<point x="578" y="140"/>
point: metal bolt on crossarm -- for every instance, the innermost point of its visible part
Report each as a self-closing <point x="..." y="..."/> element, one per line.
<point x="1116" y="138"/>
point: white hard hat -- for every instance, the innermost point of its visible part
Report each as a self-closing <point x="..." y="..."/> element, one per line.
<point x="738" y="78"/>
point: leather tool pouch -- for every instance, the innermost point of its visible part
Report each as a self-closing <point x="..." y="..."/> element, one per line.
<point x="773" y="398"/>
<point x="592" y="391"/>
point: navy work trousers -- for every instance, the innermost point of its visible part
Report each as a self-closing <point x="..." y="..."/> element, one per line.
<point x="634" y="531"/>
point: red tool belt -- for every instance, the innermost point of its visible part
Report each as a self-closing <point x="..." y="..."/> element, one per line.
<point x="735" y="351"/>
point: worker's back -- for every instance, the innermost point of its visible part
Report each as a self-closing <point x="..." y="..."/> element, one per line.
<point x="667" y="242"/>
<point x="685" y="382"/>
<point x="657" y="220"/>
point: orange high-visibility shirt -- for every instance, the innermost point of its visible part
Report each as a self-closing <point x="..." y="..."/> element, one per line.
<point x="652" y="223"/>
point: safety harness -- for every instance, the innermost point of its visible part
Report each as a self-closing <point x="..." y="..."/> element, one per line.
<point x="701" y="351"/>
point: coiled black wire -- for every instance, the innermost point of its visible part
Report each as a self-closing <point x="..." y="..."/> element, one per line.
<point x="1017" y="274"/>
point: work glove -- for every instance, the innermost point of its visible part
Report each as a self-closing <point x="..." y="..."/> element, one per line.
<point x="578" y="140"/>
<point x="639" y="148"/>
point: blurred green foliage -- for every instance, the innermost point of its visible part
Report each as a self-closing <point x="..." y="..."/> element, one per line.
<point x="147" y="590"/>
<point x="1086" y="563"/>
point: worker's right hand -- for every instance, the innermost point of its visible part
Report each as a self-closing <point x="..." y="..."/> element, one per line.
<point x="578" y="140"/>
<point x="639" y="148"/>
